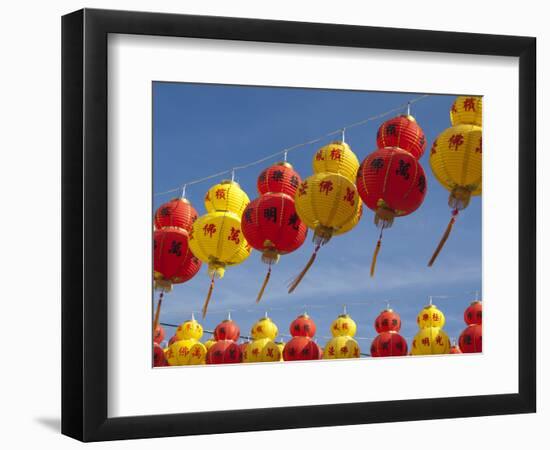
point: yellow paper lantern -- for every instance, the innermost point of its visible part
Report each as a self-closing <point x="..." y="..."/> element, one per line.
<point x="326" y="202"/>
<point x="190" y="329"/>
<point x="262" y="350"/>
<point x="216" y="237"/>
<point x="226" y="196"/>
<point x="466" y="110"/>
<point x="431" y="341"/>
<point x="455" y="159"/>
<point x="264" y="328"/>
<point x="336" y="157"/>
<point x="343" y="325"/>
<point x="341" y="347"/>
<point x="186" y="352"/>
<point x="430" y="316"/>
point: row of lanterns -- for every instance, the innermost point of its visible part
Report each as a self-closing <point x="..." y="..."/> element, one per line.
<point x="185" y="347"/>
<point x="390" y="181"/>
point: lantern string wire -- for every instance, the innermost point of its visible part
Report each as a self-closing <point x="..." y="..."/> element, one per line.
<point x="340" y="131"/>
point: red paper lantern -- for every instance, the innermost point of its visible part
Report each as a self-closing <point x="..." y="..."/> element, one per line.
<point x="159" y="360"/>
<point x="388" y="343"/>
<point x="178" y="212"/>
<point x="173" y="260"/>
<point x="402" y="132"/>
<point x="392" y="183"/>
<point x="387" y="320"/>
<point x="227" y="330"/>
<point x="470" y="341"/>
<point x="158" y="335"/>
<point x="280" y="177"/>
<point x="303" y="326"/>
<point x="473" y="313"/>
<point x="224" y="352"/>
<point x="301" y="348"/>
<point x="270" y="223"/>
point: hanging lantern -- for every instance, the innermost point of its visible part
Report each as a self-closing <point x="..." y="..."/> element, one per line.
<point x="303" y="325"/>
<point x="431" y="341"/>
<point x="430" y="316"/>
<point x="466" y="110"/>
<point x="300" y="348"/>
<point x="392" y="183"/>
<point x="456" y="159"/>
<point x="470" y="340"/>
<point x="280" y="177"/>
<point x="403" y="132"/>
<point x="173" y="262"/>
<point x="159" y="360"/>
<point x="343" y="325"/>
<point x="178" y="212"/>
<point x="387" y="320"/>
<point x="264" y="328"/>
<point x="270" y="223"/>
<point x="261" y="350"/>
<point x="227" y="330"/>
<point x="388" y="343"/>
<point x="226" y="196"/>
<point x="224" y="352"/>
<point x="455" y="349"/>
<point x="186" y="352"/>
<point x="473" y="313"/>
<point x="158" y="335"/>
<point x="341" y="347"/>
<point x="189" y="330"/>
<point x="216" y="237"/>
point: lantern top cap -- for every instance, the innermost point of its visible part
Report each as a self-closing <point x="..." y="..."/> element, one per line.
<point x="230" y="182"/>
<point x="475" y="302"/>
<point x="408" y="117"/>
<point x="387" y="310"/>
<point x="344" y="316"/>
<point x="305" y="315"/>
<point x="180" y="199"/>
<point x="338" y="143"/>
<point x="431" y="305"/>
<point x="283" y="163"/>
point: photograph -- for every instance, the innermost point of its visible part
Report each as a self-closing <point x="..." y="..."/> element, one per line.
<point x="305" y="224"/>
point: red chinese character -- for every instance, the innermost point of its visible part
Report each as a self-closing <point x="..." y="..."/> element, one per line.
<point x="234" y="235"/>
<point x="344" y="326"/>
<point x="426" y="341"/>
<point x="220" y="194"/>
<point x="453" y="108"/>
<point x="183" y="351"/>
<point x="209" y="228"/>
<point x="425" y="316"/>
<point x="349" y="196"/>
<point x="356" y="352"/>
<point x="255" y="351"/>
<point x="319" y="156"/>
<point x="456" y="140"/>
<point x="331" y="351"/>
<point x="433" y="151"/>
<point x="197" y="352"/>
<point x="259" y="328"/>
<point x="270" y="352"/>
<point x="325" y="186"/>
<point x="336" y="154"/>
<point x="439" y="340"/>
<point x="302" y="190"/>
<point x="344" y="350"/>
<point x="479" y="149"/>
<point x="469" y="104"/>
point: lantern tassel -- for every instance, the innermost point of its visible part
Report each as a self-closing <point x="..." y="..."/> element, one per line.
<point x="375" y="254"/>
<point x="299" y="278"/>
<point x="266" y="280"/>
<point x="444" y="237"/>
<point x="157" y="312"/>
<point x="208" y="297"/>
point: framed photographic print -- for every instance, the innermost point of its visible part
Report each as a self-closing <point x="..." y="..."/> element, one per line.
<point x="274" y="206"/>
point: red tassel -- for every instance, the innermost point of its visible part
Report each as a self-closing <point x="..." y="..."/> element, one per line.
<point x="375" y="255"/>
<point x="266" y="280"/>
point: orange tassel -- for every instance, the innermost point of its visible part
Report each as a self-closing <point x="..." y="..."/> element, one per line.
<point x="266" y="280"/>
<point x="375" y="255"/>
<point x="205" y="306"/>
<point x="444" y="238"/>
<point x="157" y="313"/>
<point x="299" y="278"/>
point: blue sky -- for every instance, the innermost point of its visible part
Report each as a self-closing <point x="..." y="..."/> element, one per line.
<point x="203" y="129"/>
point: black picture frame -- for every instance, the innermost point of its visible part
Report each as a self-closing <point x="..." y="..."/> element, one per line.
<point x="84" y="224"/>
